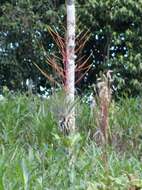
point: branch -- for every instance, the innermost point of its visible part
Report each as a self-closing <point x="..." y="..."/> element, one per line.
<point x="45" y="74"/>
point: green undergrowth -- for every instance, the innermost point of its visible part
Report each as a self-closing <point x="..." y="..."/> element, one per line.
<point x="36" y="156"/>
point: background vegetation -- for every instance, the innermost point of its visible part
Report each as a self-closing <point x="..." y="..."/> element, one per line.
<point x="115" y="42"/>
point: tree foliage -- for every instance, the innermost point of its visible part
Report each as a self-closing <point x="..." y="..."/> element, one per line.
<point x="115" y="42"/>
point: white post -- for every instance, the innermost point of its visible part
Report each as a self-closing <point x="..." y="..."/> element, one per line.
<point x="70" y="59"/>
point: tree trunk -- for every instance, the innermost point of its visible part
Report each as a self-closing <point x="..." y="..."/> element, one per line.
<point x="70" y="61"/>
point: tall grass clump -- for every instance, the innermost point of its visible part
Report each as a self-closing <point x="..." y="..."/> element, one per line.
<point x="35" y="154"/>
<point x="126" y="123"/>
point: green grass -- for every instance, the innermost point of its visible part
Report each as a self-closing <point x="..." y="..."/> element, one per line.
<point x="36" y="156"/>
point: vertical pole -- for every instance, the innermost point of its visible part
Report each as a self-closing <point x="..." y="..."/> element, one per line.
<point x="70" y="59"/>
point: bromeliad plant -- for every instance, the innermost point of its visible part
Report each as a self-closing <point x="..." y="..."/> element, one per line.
<point x="59" y="63"/>
<point x="69" y="63"/>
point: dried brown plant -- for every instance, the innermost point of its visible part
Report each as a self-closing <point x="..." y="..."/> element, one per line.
<point x="104" y="102"/>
